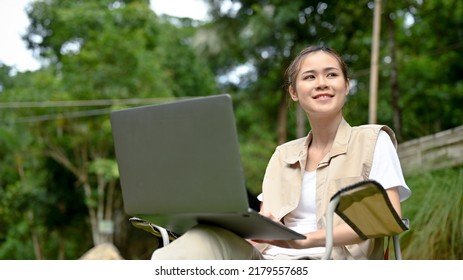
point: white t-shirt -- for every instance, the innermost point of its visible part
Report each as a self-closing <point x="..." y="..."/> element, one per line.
<point x="385" y="169"/>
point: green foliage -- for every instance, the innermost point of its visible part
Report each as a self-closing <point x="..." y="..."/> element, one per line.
<point x="17" y="244"/>
<point x="105" y="167"/>
<point x="5" y="81"/>
<point x="92" y="50"/>
<point x="430" y="72"/>
<point x="436" y="216"/>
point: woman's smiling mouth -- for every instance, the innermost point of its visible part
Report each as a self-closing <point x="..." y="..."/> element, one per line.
<point x="323" y="96"/>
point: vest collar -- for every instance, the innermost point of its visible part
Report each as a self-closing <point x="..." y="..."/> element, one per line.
<point x="298" y="152"/>
<point x="340" y="143"/>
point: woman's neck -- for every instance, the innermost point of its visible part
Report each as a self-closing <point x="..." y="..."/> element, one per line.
<point x="323" y="134"/>
<point x="324" y="131"/>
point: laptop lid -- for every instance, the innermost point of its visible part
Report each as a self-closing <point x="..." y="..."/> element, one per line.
<point x="179" y="165"/>
<point x="180" y="157"/>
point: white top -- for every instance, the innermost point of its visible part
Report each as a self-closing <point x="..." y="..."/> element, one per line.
<point x="385" y="169"/>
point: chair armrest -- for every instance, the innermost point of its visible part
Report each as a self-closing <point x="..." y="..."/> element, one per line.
<point x="165" y="235"/>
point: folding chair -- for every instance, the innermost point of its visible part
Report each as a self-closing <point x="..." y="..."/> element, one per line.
<point x="163" y="235"/>
<point x="365" y="207"/>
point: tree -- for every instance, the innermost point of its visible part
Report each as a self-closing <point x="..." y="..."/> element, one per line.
<point x="101" y="50"/>
<point x="36" y="198"/>
<point x="431" y="78"/>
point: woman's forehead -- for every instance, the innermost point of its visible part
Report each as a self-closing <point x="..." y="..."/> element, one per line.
<point x="320" y="59"/>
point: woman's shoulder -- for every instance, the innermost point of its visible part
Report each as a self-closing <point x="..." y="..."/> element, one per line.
<point x="374" y="131"/>
<point x="370" y="128"/>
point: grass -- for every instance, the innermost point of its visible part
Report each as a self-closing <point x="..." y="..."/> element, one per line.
<point x="436" y="216"/>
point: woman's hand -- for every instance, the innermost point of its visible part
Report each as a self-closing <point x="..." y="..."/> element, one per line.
<point x="342" y="235"/>
<point x="297" y="244"/>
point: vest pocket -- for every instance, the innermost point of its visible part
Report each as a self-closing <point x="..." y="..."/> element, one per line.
<point x="337" y="184"/>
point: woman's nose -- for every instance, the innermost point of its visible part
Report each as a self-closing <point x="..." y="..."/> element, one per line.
<point x="321" y="83"/>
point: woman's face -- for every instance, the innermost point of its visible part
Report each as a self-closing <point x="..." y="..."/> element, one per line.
<point x="320" y="86"/>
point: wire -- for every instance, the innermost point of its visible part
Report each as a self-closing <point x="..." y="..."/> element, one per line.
<point x="77" y="103"/>
<point x="68" y="115"/>
<point x="81" y="103"/>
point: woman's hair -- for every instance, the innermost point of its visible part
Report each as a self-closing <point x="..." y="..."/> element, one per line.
<point x="294" y="67"/>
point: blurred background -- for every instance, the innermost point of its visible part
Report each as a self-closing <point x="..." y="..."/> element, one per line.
<point x="59" y="187"/>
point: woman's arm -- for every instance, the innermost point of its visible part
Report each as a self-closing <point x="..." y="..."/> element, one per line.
<point x="393" y="194"/>
<point x="343" y="234"/>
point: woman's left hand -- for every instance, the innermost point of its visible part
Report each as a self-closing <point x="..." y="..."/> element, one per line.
<point x="296" y="244"/>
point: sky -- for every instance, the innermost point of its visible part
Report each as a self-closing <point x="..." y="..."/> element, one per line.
<point x="14" y="21"/>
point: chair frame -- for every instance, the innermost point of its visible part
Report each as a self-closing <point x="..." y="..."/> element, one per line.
<point x="333" y="208"/>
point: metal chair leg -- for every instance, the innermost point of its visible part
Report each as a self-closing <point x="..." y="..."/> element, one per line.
<point x="329" y="227"/>
<point x="397" y="251"/>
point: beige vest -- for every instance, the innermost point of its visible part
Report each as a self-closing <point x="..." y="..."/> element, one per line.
<point x="349" y="161"/>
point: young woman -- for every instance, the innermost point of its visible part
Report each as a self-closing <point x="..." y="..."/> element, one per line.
<point x="303" y="174"/>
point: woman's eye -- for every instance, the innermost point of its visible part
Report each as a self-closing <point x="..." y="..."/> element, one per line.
<point x="308" y="77"/>
<point x="332" y="75"/>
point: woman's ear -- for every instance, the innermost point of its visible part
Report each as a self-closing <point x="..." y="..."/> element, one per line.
<point x="293" y="94"/>
<point x="347" y="87"/>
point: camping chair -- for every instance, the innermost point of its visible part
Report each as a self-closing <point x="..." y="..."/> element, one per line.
<point x="365" y="207"/>
<point x="163" y="235"/>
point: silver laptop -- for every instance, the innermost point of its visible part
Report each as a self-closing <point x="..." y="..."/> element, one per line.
<point x="180" y="165"/>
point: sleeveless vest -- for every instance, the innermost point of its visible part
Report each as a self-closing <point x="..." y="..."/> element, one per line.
<point x="348" y="161"/>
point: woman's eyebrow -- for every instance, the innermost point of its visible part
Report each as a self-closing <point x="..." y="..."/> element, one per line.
<point x="326" y="69"/>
